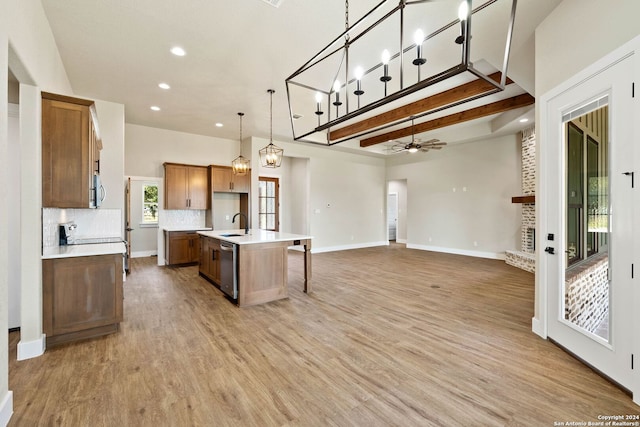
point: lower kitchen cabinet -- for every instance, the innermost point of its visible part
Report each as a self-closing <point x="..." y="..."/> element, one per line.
<point x="181" y="247"/>
<point x="82" y="297"/>
<point x="210" y="259"/>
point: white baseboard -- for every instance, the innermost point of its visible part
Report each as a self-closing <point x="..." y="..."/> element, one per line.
<point x="401" y="241"/>
<point x="143" y="254"/>
<point x="477" y="254"/>
<point x="348" y="247"/>
<point x="6" y="408"/>
<point x="538" y="328"/>
<point x="31" y="349"/>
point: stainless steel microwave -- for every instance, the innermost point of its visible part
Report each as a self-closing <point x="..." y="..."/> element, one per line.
<point x="98" y="193"/>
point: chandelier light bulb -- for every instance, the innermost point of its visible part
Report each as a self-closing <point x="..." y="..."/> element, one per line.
<point x="319" y="106"/>
<point x="385" y="57"/>
<point x="358" y="73"/>
<point x="385" y="67"/>
<point x="463" y="10"/>
<point x="413" y="149"/>
<point x="418" y="37"/>
<point x="463" y="14"/>
<point x="336" y="89"/>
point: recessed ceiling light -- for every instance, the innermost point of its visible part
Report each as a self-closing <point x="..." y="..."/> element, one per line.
<point x="178" y="51"/>
<point x="164" y="86"/>
<point x="525" y="120"/>
<point x="219" y="125"/>
<point x="155" y="108"/>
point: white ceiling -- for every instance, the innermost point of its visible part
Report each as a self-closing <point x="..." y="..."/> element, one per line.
<point x="118" y="50"/>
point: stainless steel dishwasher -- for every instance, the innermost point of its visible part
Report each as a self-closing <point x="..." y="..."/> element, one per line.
<point x="229" y="269"/>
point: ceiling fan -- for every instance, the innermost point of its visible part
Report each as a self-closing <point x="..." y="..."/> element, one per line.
<point x="416" y="144"/>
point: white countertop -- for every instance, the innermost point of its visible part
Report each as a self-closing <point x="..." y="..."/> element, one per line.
<point x="254" y="236"/>
<point x="183" y="228"/>
<point x="92" y="249"/>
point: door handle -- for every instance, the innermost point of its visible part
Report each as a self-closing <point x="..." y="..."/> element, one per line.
<point x="550" y="250"/>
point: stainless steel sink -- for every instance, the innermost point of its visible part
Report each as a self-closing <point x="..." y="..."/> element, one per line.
<point x="230" y="235"/>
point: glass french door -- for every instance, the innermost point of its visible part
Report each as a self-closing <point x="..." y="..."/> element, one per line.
<point x="590" y="220"/>
<point x="268" y="203"/>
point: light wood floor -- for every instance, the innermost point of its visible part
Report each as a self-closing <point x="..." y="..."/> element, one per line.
<point x="390" y="336"/>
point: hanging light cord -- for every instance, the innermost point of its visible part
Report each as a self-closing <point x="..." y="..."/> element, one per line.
<point x="271" y="123"/>
<point x="241" y="114"/>
<point x="346" y="40"/>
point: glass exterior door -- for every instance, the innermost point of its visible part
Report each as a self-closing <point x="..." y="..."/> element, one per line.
<point x="588" y="215"/>
<point x="588" y="211"/>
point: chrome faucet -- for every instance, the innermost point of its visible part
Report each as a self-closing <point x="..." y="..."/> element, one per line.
<point x="246" y="222"/>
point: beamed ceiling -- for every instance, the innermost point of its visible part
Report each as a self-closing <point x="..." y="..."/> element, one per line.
<point x="118" y="51"/>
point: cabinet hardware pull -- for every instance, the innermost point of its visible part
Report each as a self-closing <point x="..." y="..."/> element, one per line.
<point x="213" y="255"/>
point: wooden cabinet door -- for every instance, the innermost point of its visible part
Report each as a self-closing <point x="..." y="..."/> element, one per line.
<point x="176" y="191"/>
<point x="198" y="187"/>
<point x="81" y="293"/>
<point x="66" y="159"/>
<point x="221" y="178"/>
<point x="214" y="267"/>
<point x="203" y="266"/>
<point x="179" y="248"/>
<point x="242" y="183"/>
<point x="194" y="247"/>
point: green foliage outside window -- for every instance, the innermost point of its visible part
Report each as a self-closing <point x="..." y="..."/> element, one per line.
<point x="150" y="203"/>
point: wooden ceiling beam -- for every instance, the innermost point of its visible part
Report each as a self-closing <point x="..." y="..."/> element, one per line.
<point x="452" y="119"/>
<point x="449" y="96"/>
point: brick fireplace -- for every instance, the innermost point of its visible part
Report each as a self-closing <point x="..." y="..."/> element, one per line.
<point x="525" y="258"/>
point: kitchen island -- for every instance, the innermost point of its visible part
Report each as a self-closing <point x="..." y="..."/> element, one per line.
<point x="251" y="268"/>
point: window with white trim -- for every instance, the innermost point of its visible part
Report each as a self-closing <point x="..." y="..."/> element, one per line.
<point x="149" y="203"/>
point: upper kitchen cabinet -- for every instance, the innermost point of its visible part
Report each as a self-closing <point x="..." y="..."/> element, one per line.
<point x="70" y="152"/>
<point x="224" y="180"/>
<point x="186" y="186"/>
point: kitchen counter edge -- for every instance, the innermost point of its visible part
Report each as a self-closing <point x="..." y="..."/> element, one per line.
<point x="254" y="236"/>
<point x="91" y="249"/>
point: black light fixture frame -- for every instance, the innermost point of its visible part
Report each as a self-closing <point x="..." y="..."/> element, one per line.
<point x="350" y="37"/>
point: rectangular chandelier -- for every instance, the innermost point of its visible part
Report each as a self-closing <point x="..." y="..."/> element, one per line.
<point x="391" y="65"/>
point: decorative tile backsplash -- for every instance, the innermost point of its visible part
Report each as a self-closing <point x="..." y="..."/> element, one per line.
<point x="182" y="218"/>
<point x="91" y="223"/>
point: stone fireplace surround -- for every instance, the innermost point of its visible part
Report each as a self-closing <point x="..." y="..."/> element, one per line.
<point x="525" y="258"/>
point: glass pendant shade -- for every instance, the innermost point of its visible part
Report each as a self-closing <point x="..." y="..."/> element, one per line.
<point x="240" y="165"/>
<point x="271" y="155"/>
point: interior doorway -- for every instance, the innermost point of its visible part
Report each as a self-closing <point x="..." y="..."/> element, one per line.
<point x="142" y="215"/>
<point x="397" y="210"/>
<point x="392" y="216"/>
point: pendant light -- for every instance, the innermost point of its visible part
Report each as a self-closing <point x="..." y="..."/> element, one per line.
<point x="271" y="155"/>
<point x="240" y="165"/>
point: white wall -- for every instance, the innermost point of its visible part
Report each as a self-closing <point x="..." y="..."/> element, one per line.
<point x="14" y="214"/>
<point x="346" y="194"/>
<point x="562" y="49"/>
<point x="147" y="148"/>
<point x="299" y="196"/>
<point x="111" y="123"/>
<point x="459" y="198"/>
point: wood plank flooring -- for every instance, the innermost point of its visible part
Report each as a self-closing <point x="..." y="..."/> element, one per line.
<point x="389" y="337"/>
